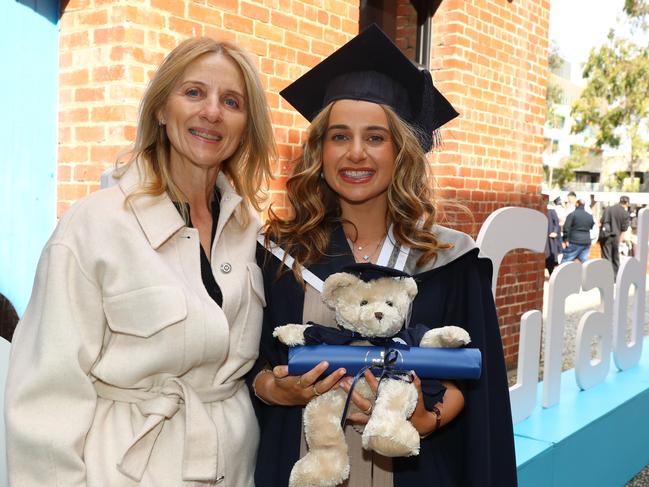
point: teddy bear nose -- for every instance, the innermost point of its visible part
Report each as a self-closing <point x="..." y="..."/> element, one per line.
<point x="378" y="315"/>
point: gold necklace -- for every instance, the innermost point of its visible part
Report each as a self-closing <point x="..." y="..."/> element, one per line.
<point x="364" y="257"/>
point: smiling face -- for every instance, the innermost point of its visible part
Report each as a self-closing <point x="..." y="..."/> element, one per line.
<point x="205" y="114"/>
<point x="358" y="153"/>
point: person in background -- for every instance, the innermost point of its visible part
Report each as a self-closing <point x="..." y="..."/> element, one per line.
<point x="127" y="367"/>
<point x="576" y="234"/>
<point x="560" y="210"/>
<point x="553" y="245"/>
<point x="572" y="203"/>
<point x="615" y="221"/>
<point x="629" y="239"/>
<point x="360" y="193"/>
<point x="594" y="207"/>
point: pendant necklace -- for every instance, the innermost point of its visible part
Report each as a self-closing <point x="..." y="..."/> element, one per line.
<point x="367" y="256"/>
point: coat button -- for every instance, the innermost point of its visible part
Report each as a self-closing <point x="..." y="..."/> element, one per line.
<point x="226" y="267"/>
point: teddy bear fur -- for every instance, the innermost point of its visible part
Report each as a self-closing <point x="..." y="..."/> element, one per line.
<point x="378" y="308"/>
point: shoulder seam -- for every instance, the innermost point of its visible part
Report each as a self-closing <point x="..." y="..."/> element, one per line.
<point x="77" y="261"/>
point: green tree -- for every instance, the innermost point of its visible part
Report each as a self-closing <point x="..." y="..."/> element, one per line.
<point x="638" y="12"/>
<point x="554" y="93"/>
<point x="565" y="173"/>
<point x="553" y="97"/>
<point x="614" y="105"/>
<point x="636" y="8"/>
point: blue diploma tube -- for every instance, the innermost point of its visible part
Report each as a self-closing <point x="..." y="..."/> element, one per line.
<point x="428" y="363"/>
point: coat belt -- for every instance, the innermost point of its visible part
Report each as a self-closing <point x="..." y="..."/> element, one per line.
<point x="200" y="452"/>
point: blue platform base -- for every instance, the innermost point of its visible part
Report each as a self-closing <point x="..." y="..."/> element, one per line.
<point x="598" y="437"/>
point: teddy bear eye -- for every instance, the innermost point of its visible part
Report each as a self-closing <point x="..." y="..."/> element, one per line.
<point x="364" y="302"/>
<point x="389" y="303"/>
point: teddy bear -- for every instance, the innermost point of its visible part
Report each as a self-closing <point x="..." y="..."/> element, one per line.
<point x="366" y="309"/>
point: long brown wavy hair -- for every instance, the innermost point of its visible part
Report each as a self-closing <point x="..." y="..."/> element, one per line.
<point x="412" y="211"/>
<point x="248" y="168"/>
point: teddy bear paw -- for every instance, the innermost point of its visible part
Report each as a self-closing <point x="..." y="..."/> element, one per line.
<point x="321" y="468"/>
<point x="290" y="335"/>
<point x="445" y="337"/>
<point x="391" y="441"/>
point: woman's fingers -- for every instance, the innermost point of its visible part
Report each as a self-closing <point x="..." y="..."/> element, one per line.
<point x="420" y="394"/>
<point x="280" y="371"/>
<point x="300" y="389"/>
<point x="309" y="378"/>
<point x="329" y="382"/>
<point x="357" y="418"/>
<point x="372" y="381"/>
<point x="421" y="419"/>
<point x="363" y="404"/>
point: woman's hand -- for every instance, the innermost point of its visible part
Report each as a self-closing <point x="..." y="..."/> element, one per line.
<point x="365" y="405"/>
<point x="296" y="390"/>
<point x="424" y="421"/>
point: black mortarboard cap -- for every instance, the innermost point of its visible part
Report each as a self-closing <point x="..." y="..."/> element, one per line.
<point x="371" y="68"/>
<point x="369" y="272"/>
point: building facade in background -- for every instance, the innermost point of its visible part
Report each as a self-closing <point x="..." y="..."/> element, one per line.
<point x="598" y="170"/>
<point x="489" y="58"/>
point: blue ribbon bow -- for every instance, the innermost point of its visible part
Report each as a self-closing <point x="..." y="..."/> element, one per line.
<point x="387" y="366"/>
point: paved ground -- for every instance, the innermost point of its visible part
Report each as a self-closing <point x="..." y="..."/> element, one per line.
<point x="576" y="306"/>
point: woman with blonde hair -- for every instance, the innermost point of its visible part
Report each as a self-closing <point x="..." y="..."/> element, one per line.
<point x="127" y="367"/>
<point x="360" y="193"/>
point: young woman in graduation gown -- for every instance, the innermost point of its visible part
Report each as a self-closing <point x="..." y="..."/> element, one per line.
<point x="360" y="193"/>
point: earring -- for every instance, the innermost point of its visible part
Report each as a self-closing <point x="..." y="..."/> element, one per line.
<point x="161" y="122"/>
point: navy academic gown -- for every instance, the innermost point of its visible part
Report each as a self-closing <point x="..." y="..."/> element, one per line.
<point x="477" y="448"/>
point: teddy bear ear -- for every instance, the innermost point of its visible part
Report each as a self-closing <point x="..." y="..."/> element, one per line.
<point x="334" y="283"/>
<point x="411" y="286"/>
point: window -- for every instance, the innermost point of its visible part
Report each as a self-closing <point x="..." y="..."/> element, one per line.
<point x="407" y="22"/>
<point x="586" y="177"/>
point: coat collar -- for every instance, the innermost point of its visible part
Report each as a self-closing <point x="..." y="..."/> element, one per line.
<point x="157" y="215"/>
<point x="231" y="203"/>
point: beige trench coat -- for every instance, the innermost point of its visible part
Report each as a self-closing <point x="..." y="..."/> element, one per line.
<point x="123" y="370"/>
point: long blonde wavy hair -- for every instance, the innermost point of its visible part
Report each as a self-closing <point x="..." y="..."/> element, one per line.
<point x="412" y="211"/>
<point x="248" y="168"/>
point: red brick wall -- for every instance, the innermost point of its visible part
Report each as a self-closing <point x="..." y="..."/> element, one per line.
<point x="106" y="54"/>
<point x="489" y="57"/>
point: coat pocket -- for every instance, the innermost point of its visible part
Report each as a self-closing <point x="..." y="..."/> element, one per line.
<point x="145" y="312"/>
<point x="147" y="335"/>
